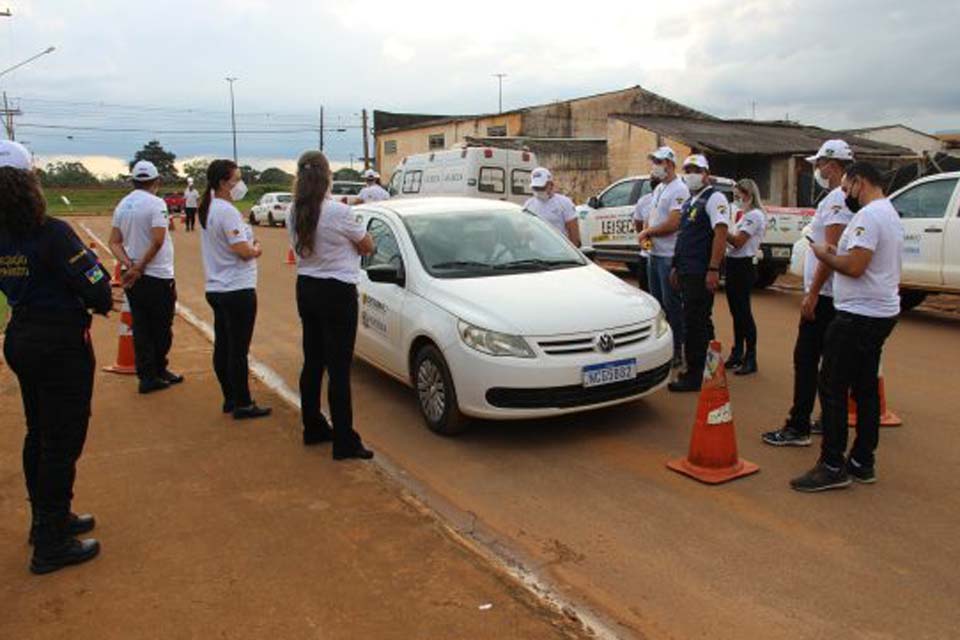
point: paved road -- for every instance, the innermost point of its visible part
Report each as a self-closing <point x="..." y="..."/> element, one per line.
<point x="589" y="498"/>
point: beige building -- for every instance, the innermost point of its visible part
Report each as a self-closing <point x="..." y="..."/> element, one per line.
<point x="922" y="144"/>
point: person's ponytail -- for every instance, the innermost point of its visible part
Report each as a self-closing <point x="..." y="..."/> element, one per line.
<point x="218" y="171"/>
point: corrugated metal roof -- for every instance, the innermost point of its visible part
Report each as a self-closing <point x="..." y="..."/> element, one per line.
<point x="752" y="137"/>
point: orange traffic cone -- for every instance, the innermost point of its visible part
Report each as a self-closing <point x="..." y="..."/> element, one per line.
<point x="291" y="259"/>
<point x="713" y="446"/>
<point x="126" y="363"/>
<point x="887" y="418"/>
<point x="117" y="280"/>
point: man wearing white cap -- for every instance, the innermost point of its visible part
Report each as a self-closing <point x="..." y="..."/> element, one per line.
<point x="701" y="246"/>
<point x="373" y="192"/>
<point x="817" y="310"/>
<point x="139" y="240"/>
<point x="551" y="207"/>
<point x="661" y="230"/>
<point x="191" y="200"/>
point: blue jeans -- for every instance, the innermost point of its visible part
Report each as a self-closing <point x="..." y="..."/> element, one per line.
<point x="658" y="275"/>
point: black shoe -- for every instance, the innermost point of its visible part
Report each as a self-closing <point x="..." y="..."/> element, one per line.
<point x="157" y="384"/>
<point x="170" y="378"/>
<point x="77" y="525"/>
<point x="361" y="453"/>
<point x="227" y="406"/>
<point x="748" y="367"/>
<point x="861" y="474"/>
<point x="817" y="427"/>
<point x="317" y="435"/>
<point x="734" y="361"/>
<point x="821" y="478"/>
<point x="787" y="437"/>
<point x="253" y="411"/>
<point x="684" y="385"/>
<point x="71" y="552"/>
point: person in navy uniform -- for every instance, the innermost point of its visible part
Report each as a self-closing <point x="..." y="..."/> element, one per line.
<point x="51" y="281"/>
<point x="701" y="243"/>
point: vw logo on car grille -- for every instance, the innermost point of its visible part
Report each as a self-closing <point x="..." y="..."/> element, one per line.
<point x="605" y="343"/>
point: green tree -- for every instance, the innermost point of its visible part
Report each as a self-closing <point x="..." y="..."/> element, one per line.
<point x="249" y="174"/>
<point x="68" y="174"/>
<point x="347" y="174"/>
<point x="273" y="175"/>
<point x="197" y="169"/>
<point x="160" y="157"/>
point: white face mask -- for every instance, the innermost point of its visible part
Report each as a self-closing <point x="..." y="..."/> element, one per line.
<point x="694" y="181"/>
<point x="658" y="172"/>
<point x="823" y="182"/>
<point x="238" y="191"/>
<point x="738" y="203"/>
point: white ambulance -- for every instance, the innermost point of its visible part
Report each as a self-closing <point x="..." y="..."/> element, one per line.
<point x="469" y="171"/>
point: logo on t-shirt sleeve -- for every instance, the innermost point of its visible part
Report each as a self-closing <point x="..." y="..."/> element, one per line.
<point x="859" y="231"/>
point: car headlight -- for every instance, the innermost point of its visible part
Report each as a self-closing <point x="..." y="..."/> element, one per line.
<point x="660" y="325"/>
<point x="494" y="343"/>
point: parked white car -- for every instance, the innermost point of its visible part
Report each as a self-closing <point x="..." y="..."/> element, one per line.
<point x="488" y="312"/>
<point x="271" y="209"/>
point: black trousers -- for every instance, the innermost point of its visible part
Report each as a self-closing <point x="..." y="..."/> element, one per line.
<point x="152" y="305"/>
<point x="806" y="363"/>
<point x="698" y="320"/>
<point x="234" y="315"/>
<point x="851" y="361"/>
<point x="741" y="276"/>
<point x="328" y="311"/>
<point x="54" y="364"/>
<point x="191" y="215"/>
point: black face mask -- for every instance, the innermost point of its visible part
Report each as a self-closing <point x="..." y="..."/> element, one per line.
<point x="853" y="203"/>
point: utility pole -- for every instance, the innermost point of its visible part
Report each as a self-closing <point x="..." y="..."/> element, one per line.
<point x="233" y="118"/>
<point x="499" y="77"/>
<point x="321" y="128"/>
<point x="754" y="105"/>
<point x="366" y="142"/>
<point x="8" y="114"/>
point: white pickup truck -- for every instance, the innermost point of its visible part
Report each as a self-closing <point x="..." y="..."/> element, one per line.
<point x="606" y="228"/>
<point x="930" y="211"/>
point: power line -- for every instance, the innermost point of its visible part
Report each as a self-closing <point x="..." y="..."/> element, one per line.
<point x="65" y="127"/>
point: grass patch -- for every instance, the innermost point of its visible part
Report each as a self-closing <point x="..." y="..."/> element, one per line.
<point x="101" y="201"/>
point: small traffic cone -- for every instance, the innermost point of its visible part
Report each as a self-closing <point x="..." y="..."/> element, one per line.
<point x="713" y="454"/>
<point x="126" y="362"/>
<point x="117" y="280"/>
<point x="291" y="258"/>
<point x="887" y="418"/>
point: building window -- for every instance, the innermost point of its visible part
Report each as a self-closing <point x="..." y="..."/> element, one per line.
<point x="492" y="180"/>
<point x="498" y="131"/>
<point x="437" y="142"/>
<point x="389" y="147"/>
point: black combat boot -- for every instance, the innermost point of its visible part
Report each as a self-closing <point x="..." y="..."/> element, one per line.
<point x="749" y="364"/>
<point x="55" y="547"/>
<point x="76" y="525"/>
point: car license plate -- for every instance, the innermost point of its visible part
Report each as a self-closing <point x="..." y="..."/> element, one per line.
<point x="609" y="372"/>
<point x="781" y="252"/>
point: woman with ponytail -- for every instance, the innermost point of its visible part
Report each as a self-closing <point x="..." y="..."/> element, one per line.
<point x="230" y="255"/>
<point x="328" y="241"/>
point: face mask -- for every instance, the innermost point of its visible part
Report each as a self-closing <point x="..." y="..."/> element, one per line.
<point x="658" y="172"/>
<point x="694" y="181"/>
<point x="823" y="182"/>
<point x="738" y="203"/>
<point x="238" y="191"/>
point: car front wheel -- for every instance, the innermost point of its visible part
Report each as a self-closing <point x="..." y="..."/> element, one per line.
<point x="435" y="392"/>
<point x="253" y="219"/>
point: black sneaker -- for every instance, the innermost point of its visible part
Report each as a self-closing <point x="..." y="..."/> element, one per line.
<point x="786" y="437"/>
<point x="817" y="427"/>
<point x="170" y="377"/>
<point x="253" y="411"/>
<point x="861" y="474"/>
<point x="821" y="478"/>
<point x="318" y="432"/>
<point x="157" y="384"/>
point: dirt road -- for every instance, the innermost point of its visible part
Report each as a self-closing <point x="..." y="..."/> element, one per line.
<point x="588" y="497"/>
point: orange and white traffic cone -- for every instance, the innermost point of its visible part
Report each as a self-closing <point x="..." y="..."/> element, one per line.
<point x="887" y="418"/>
<point x="291" y="258"/>
<point x="713" y="457"/>
<point x="126" y="362"/>
<point x="117" y="280"/>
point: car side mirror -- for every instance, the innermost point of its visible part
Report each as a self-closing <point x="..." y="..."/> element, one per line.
<point x="594" y="202"/>
<point x="386" y="274"/>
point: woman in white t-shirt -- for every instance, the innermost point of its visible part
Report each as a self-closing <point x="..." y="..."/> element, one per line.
<point x="230" y="255"/>
<point x="743" y="242"/>
<point x="328" y="240"/>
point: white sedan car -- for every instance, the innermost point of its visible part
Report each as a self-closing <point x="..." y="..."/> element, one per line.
<point x="489" y="312"/>
<point x="271" y="209"/>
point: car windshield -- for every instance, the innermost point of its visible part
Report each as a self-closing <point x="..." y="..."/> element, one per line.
<point x="284" y="197"/>
<point x="346" y="188"/>
<point x="488" y="243"/>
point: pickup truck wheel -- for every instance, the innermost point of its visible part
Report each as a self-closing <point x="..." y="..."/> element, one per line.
<point x="436" y="394"/>
<point x="253" y="220"/>
<point x="910" y="299"/>
<point x="270" y="220"/>
<point x="766" y="275"/>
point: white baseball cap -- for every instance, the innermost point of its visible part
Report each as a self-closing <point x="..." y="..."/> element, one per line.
<point x="370" y="174"/>
<point x="697" y="160"/>
<point x="663" y="153"/>
<point x="15" y="155"/>
<point x="539" y="177"/>
<point x="833" y="149"/>
<point x="144" y="171"/>
<point x="189" y="180"/>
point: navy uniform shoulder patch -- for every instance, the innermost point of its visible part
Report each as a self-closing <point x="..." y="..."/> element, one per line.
<point x="95" y="274"/>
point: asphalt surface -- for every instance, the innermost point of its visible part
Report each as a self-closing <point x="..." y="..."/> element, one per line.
<point x="589" y="499"/>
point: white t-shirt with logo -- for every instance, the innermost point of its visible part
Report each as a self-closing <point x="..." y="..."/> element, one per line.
<point x="557" y="210"/>
<point x="335" y="252"/>
<point x="754" y="224"/>
<point x="225" y="270"/>
<point x="191" y="198"/>
<point x="832" y="210"/>
<point x="136" y="216"/>
<point x="876" y="293"/>
<point x="373" y="193"/>
<point x="667" y="197"/>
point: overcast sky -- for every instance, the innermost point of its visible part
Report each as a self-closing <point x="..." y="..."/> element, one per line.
<point x="157" y="69"/>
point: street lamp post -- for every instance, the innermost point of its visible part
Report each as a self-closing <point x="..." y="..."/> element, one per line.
<point x="233" y="118"/>
<point x="28" y="60"/>
<point x="7" y="112"/>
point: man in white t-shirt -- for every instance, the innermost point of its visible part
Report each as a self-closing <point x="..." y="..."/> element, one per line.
<point x="641" y="218"/>
<point x="140" y="242"/>
<point x="867" y="263"/>
<point x="373" y="192"/>
<point x="817" y="310"/>
<point x="551" y="207"/>
<point x="661" y="232"/>
<point x="191" y="201"/>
